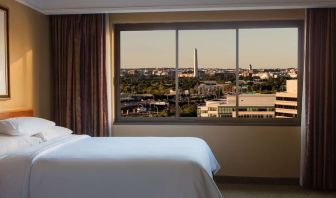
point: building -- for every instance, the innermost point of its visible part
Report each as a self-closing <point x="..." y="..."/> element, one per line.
<point x="211" y="108"/>
<point x="211" y="88"/>
<point x="286" y="102"/>
<point x="186" y="75"/>
<point x="292" y="73"/>
<point x="250" y="71"/>
<point x="250" y="106"/>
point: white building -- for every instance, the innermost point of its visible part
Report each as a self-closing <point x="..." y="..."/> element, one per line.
<point x="292" y="73"/>
<point x="211" y="108"/>
<point x="250" y="106"/>
<point x="286" y="102"/>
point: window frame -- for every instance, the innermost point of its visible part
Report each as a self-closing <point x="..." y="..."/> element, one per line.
<point x="207" y="26"/>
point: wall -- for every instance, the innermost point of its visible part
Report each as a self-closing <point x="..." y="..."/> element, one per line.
<point x="29" y="60"/>
<point x="245" y="151"/>
<point x="251" y="15"/>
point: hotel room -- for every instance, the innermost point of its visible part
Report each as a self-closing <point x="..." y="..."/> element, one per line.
<point x="167" y="99"/>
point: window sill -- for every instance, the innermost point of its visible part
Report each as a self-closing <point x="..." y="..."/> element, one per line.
<point x="209" y="122"/>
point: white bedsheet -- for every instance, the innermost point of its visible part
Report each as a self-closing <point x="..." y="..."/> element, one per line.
<point x="85" y="167"/>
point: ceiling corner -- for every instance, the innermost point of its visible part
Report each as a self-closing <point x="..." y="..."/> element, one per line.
<point x="31" y="5"/>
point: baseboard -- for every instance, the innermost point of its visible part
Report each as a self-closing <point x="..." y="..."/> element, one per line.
<point x="256" y="180"/>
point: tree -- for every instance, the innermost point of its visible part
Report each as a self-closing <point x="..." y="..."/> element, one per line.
<point x="188" y="110"/>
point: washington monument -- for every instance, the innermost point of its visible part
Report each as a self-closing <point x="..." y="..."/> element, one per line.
<point x="195" y="64"/>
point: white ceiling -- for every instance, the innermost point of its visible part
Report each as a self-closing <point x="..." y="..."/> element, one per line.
<point x="126" y="6"/>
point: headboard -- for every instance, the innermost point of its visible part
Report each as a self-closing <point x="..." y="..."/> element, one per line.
<point x="18" y="113"/>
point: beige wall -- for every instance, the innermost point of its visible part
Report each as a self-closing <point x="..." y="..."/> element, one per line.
<point x="241" y="151"/>
<point x="246" y="151"/>
<point x="29" y="60"/>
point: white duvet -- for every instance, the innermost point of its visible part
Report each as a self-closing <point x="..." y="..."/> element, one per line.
<point x="85" y="167"/>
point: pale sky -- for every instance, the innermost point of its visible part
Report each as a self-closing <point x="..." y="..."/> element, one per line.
<point x="263" y="48"/>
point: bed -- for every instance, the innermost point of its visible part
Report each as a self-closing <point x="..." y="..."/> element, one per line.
<point x="119" y="167"/>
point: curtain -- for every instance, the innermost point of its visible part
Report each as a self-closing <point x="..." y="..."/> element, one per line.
<point x="78" y="49"/>
<point x="319" y="156"/>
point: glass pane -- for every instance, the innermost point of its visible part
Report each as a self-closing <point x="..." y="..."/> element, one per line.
<point x="147" y="73"/>
<point x="207" y="60"/>
<point x="268" y="73"/>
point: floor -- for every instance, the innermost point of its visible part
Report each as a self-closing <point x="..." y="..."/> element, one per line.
<point x="270" y="191"/>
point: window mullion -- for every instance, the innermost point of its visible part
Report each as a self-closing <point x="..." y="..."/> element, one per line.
<point x="237" y="72"/>
<point x="177" y="109"/>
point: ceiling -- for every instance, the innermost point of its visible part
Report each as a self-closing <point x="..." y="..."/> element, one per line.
<point x="127" y="6"/>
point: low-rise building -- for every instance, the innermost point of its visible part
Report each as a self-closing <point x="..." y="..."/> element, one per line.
<point x="250" y="106"/>
<point x="286" y="102"/>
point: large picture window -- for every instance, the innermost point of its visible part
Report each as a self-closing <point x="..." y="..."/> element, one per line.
<point x="225" y="73"/>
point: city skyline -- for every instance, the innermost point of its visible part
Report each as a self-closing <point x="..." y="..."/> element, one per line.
<point x="157" y="48"/>
<point x="206" y="68"/>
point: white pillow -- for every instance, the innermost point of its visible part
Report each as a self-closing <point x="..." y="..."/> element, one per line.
<point x="10" y="144"/>
<point x="24" y="126"/>
<point x="53" y="132"/>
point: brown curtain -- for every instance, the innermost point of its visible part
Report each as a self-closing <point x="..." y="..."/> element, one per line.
<point x="79" y="73"/>
<point x="319" y="160"/>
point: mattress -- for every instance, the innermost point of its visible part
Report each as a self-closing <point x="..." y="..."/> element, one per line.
<point x="118" y="167"/>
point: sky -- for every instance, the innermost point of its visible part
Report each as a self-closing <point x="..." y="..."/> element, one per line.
<point x="263" y="48"/>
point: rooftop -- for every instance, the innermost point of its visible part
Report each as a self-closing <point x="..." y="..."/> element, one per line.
<point x="250" y="100"/>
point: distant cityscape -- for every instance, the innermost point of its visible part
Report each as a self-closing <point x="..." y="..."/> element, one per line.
<point x="209" y="92"/>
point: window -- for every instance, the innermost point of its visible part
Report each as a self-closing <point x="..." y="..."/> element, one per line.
<point x="205" y="65"/>
<point x="268" y="59"/>
<point x="147" y="73"/>
<point x="233" y="73"/>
